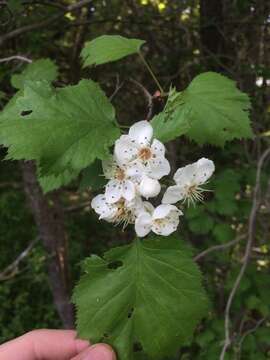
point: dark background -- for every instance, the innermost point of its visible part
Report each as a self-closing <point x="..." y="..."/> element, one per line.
<point x="184" y="38"/>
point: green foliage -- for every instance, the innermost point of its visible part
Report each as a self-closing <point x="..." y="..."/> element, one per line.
<point x="78" y="123"/>
<point x="53" y="182"/>
<point x="145" y="298"/>
<point x="107" y="48"/>
<point x="199" y="221"/>
<point x="173" y="121"/>
<point x="92" y="177"/>
<point x="210" y="110"/>
<point x="43" y="69"/>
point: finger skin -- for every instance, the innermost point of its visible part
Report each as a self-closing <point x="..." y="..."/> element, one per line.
<point x="96" y="352"/>
<point x="43" y="345"/>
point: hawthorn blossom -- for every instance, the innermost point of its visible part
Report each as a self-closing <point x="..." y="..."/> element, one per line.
<point x="121" y="212"/>
<point x="138" y="148"/>
<point x="119" y="185"/>
<point x="149" y="187"/>
<point x="163" y="220"/>
<point x="188" y="180"/>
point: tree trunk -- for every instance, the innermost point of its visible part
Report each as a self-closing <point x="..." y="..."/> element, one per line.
<point x="49" y="219"/>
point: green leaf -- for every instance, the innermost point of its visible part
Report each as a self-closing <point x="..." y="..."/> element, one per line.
<point x="210" y="110"/>
<point x="92" y="177"/>
<point x="43" y="69"/>
<point x="173" y="121"/>
<point x="223" y="233"/>
<point x="53" y="182"/>
<point x="146" y="296"/>
<point x="63" y="129"/>
<point x="107" y="48"/>
<point x="199" y="221"/>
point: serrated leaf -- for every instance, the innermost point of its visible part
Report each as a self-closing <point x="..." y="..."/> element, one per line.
<point x="63" y="129"/>
<point x="53" y="182"/>
<point x="43" y="69"/>
<point x="92" y="177"/>
<point x="173" y="121"/>
<point x="212" y="107"/>
<point x="146" y="296"/>
<point x="107" y="48"/>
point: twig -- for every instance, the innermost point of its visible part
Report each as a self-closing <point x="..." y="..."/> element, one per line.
<point x="118" y="87"/>
<point x="251" y="233"/>
<point x="16" y="57"/>
<point x="74" y="208"/>
<point x="248" y="332"/>
<point x="43" y="23"/>
<point x="148" y="96"/>
<point x="12" y="269"/>
<point x="219" y="247"/>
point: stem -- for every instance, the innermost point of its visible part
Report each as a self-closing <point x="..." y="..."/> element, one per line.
<point x="151" y="73"/>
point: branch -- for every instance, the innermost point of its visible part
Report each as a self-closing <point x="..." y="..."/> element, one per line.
<point x="147" y="95"/>
<point x="118" y="87"/>
<point x="43" y="23"/>
<point x="219" y="247"/>
<point x="16" y="57"/>
<point x="12" y="269"/>
<point x="248" y="332"/>
<point x="251" y="234"/>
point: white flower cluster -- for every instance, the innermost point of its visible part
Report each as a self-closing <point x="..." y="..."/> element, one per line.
<point x="134" y="171"/>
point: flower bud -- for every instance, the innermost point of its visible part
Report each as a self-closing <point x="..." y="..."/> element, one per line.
<point x="149" y="187"/>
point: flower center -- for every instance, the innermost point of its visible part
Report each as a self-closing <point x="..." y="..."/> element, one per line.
<point x="193" y="194"/>
<point x="124" y="215"/>
<point x="145" y="153"/>
<point x="119" y="174"/>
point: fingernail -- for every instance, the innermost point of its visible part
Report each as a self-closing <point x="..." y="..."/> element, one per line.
<point x="99" y="352"/>
<point x="81" y="345"/>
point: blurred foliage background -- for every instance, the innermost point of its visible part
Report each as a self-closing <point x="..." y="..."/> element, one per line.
<point x="183" y="38"/>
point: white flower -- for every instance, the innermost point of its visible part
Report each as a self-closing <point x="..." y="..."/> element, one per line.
<point x="120" y="184"/>
<point x="122" y="211"/>
<point x="149" y="187"/>
<point x="188" y="180"/>
<point x="163" y="220"/>
<point x="137" y="148"/>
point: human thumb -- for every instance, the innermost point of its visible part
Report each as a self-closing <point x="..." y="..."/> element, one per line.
<point x="96" y="352"/>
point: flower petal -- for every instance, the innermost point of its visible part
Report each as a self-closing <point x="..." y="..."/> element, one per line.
<point x="109" y="165"/>
<point x="158" y="167"/>
<point x="135" y="169"/>
<point x="148" y="207"/>
<point x="125" y="150"/>
<point x="141" y="132"/>
<point x="128" y="190"/>
<point x="113" y="191"/>
<point x="101" y="207"/>
<point x="163" y="210"/>
<point x="143" y="224"/>
<point x="158" y="148"/>
<point x="168" y="225"/>
<point x="149" y="187"/>
<point x="173" y="194"/>
<point x="186" y="175"/>
<point x="205" y="169"/>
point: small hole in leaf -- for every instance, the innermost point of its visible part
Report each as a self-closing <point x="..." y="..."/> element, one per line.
<point x="224" y="129"/>
<point x="137" y="347"/>
<point x="26" y="112"/>
<point x="130" y="313"/>
<point x="115" y="264"/>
